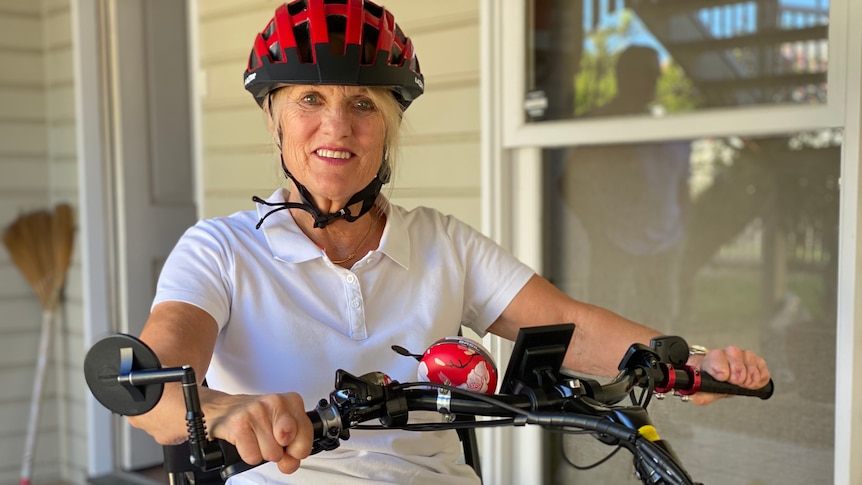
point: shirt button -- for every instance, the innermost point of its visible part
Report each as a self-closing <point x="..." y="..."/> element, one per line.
<point x="351" y="279"/>
<point x="355" y="303"/>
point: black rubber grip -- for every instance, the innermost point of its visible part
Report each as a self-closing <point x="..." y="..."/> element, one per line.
<point x="709" y="384"/>
<point x="233" y="463"/>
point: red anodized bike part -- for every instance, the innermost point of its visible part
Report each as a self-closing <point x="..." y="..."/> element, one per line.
<point x="459" y="362"/>
<point x="694" y="379"/>
<point x="670" y="377"/>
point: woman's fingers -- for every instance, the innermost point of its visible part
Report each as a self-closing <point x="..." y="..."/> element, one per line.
<point x="758" y="371"/>
<point x="293" y="432"/>
<point x="734" y="365"/>
<point x="273" y="427"/>
<point x="241" y="433"/>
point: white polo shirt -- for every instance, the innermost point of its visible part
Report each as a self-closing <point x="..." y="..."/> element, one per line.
<point x="289" y="318"/>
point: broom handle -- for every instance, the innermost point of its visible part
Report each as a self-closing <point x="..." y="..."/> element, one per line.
<point x="36" y="399"/>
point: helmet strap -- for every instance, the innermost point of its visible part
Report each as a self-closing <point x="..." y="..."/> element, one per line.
<point x="366" y="196"/>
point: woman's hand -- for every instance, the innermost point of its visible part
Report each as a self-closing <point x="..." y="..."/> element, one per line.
<point x="731" y="364"/>
<point x="271" y="427"/>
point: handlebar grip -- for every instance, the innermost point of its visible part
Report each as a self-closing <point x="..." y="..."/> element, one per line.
<point x="233" y="463"/>
<point x="709" y="384"/>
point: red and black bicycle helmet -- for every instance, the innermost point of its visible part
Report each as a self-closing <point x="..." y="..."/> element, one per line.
<point x="348" y="42"/>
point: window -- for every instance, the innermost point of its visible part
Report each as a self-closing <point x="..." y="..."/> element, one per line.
<point x="749" y="230"/>
<point x="724" y="240"/>
<point x="595" y="58"/>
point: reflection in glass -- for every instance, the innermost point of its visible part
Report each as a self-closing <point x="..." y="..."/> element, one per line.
<point x="723" y="241"/>
<point x="710" y="53"/>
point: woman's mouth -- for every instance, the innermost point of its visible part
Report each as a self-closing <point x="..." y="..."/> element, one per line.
<point x="338" y="154"/>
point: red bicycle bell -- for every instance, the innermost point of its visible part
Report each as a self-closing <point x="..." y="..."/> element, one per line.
<point x="459" y="362"/>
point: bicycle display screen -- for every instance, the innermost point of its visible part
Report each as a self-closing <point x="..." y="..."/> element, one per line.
<point x="538" y="351"/>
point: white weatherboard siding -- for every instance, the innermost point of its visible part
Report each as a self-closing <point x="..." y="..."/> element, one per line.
<point x="38" y="164"/>
<point x="23" y="186"/>
<point x="70" y="390"/>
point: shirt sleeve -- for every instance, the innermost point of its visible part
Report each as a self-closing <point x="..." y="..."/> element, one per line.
<point x="197" y="272"/>
<point x="492" y="275"/>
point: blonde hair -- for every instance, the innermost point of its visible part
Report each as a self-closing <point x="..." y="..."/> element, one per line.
<point x="382" y="98"/>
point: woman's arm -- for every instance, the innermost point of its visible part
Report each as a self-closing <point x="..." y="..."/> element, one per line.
<point x="272" y="427"/>
<point x="602" y="337"/>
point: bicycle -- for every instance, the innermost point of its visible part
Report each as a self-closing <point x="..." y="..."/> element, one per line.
<point x="126" y="377"/>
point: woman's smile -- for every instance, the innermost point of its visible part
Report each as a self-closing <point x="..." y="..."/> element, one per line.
<point x="333" y="155"/>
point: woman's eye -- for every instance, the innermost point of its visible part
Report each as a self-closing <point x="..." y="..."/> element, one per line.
<point x="310" y="99"/>
<point x="364" y="105"/>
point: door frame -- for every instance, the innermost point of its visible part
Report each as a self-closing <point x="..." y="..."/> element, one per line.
<point x="93" y="173"/>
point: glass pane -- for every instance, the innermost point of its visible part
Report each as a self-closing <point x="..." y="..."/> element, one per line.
<point x="722" y="241"/>
<point x="589" y="58"/>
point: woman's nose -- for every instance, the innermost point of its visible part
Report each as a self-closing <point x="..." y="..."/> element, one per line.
<point x="337" y="121"/>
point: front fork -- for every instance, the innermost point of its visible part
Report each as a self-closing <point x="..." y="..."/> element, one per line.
<point x="636" y="418"/>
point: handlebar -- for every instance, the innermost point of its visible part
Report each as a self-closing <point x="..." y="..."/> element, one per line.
<point x="537" y="393"/>
<point x="572" y="403"/>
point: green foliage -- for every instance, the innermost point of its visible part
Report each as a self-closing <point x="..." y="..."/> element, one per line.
<point x="595" y="84"/>
<point x="595" y="81"/>
<point x="676" y="92"/>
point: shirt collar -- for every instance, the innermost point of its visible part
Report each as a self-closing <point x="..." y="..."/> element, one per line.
<point x="288" y="243"/>
<point x="395" y="242"/>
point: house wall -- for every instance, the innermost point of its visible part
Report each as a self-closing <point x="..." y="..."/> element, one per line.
<point x="63" y="165"/>
<point x="439" y="160"/>
<point x="23" y="187"/>
<point x="38" y="167"/>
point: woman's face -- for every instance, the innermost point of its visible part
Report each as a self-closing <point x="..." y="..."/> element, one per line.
<point x="333" y="140"/>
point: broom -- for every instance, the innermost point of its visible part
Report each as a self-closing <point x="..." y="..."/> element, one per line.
<point x="40" y="244"/>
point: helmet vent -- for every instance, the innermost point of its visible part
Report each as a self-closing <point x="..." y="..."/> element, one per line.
<point x="336" y="23"/>
<point x="302" y="35"/>
<point x="375" y="10"/>
<point x="270" y="29"/>
<point x="396" y="57"/>
<point x="275" y="52"/>
<point x="399" y="35"/>
<point x="369" y="41"/>
<point x="295" y="8"/>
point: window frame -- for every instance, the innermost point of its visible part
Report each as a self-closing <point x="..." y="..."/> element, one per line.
<point x="511" y="175"/>
<point x="754" y="120"/>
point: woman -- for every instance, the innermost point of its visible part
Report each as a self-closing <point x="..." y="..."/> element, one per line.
<point x="330" y="274"/>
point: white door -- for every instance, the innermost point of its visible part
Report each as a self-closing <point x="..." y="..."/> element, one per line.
<point x="152" y="165"/>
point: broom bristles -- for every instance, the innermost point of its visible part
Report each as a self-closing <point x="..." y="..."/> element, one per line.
<point x="40" y="245"/>
<point x="22" y="240"/>
<point x="63" y="234"/>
